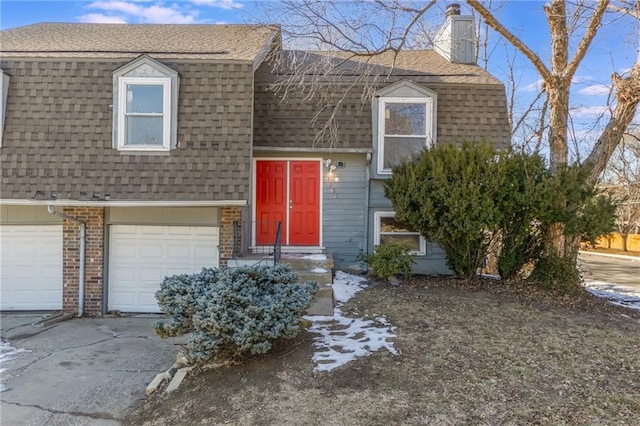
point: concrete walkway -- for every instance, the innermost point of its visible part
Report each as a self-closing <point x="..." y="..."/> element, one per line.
<point x="77" y="372"/>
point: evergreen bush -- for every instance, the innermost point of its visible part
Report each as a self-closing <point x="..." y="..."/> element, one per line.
<point x="230" y="312"/>
<point x="390" y="259"/>
<point x="469" y="198"/>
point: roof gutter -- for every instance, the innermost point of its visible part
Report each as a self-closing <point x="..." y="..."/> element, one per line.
<point x="83" y="237"/>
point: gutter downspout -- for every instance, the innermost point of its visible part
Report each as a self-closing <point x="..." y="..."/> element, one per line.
<point x="83" y="237"/>
<point x="367" y="191"/>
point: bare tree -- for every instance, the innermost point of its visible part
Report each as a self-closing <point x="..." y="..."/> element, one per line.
<point x="367" y="29"/>
<point x="557" y="78"/>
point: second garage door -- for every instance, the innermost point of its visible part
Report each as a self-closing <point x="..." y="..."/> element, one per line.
<point x="141" y="256"/>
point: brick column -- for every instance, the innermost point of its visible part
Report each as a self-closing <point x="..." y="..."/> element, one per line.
<point x="227" y="216"/>
<point x="94" y="258"/>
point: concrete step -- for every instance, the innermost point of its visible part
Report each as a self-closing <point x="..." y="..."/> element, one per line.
<point x="318" y="268"/>
<point x="308" y="267"/>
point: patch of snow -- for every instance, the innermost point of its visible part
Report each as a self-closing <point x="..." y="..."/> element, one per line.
<point x="614" y="293"/>
<point x="7" y="353"/>
<point x="342" y="339"/>
<point x="345" y="286"/>
<point x="318" y="270"/>
<point x="315" y="257"/>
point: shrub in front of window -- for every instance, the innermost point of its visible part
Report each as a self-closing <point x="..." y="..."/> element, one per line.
<point x="449" y="197"/>
<point x="390" y="259"/>
<point x="469" y="198"/>
<point x="231" y="312"/>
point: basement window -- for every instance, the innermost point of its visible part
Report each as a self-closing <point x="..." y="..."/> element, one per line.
<point x="389" y="230"/>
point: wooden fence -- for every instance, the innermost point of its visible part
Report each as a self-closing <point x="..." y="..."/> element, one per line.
<point x="614" y="241"/>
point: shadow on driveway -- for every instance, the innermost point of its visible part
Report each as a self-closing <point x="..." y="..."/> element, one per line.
<point x="78" y="372"/>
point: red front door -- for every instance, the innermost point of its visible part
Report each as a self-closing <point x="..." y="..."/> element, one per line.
<point x="288" y="192"/>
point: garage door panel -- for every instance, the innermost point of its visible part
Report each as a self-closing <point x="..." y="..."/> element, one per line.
<point x="159" y="251"/>
<point x="151" y="250"/>
<point x="31" y="267"/>
<point x="179" y="250"/>
<point x="124" y="273"/>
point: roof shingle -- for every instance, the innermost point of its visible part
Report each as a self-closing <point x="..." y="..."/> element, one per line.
<point x="231" y="42"/>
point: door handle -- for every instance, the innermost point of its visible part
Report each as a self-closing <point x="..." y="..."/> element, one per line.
<point x="290" y="204"/>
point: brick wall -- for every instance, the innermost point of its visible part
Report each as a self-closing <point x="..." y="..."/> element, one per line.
<point x="94" y="219"/>
<point x="227" y="216"/>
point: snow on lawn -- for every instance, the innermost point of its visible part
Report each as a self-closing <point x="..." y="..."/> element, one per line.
<point x="7" y="353"/>
<point x="342" y="339"/>
<point x="617" y="294"/>
<point x="318" y="270"/>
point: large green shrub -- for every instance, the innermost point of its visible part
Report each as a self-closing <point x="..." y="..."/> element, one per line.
<point x="390" y="259"/>
<point x="473" y="197"/>
<point x="453" y="196"/>
<point x="229" y="312"/>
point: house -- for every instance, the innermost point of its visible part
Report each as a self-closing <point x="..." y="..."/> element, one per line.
<point x="141" y="146"/>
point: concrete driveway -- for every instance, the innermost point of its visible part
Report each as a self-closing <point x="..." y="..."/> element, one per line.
<point x="77" y="372"/>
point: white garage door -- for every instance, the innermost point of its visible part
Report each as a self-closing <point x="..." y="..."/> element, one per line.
<point x="30" y="267"/>
<point x="141" y="256"/>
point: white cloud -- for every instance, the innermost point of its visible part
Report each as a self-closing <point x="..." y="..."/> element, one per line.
<point x="99" y="18"/>
<point x="578" y="79"/>
<point x="533" y="87"/>
<point x="589" y="112"/>
<point x="222" y="4"/>
<point x="155" y="13"/>
<point x="595" y="90"/>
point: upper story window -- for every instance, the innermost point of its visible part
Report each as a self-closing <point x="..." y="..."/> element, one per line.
<point x="145" y="106"/>
<point x="406" y="124"/>
<point x="145" y="113"/>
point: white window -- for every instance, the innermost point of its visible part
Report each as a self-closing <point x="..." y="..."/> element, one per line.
<point x="4" y="92"/>
<point x="389" y="230"/>
<point x="145" y="106"/>
<point x="144" y="114"/>
<point x="405" y="128"/>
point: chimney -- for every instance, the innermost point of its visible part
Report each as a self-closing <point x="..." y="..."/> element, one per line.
<point x="456" y="40"/>
<point x="453" y="9"/>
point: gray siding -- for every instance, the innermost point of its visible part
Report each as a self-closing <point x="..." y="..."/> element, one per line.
<point x="344" y="211"/>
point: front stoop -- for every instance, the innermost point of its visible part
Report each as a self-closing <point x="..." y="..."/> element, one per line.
<point x="311" y="268"/>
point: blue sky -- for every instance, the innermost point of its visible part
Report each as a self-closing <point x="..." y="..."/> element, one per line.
<point x="614" y="49"/>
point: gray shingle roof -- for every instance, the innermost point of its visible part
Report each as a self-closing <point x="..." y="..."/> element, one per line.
<point x="230" y="42"/>
<point x="425" y="66"/>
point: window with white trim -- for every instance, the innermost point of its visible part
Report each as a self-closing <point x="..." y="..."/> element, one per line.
<point x="389" y="230"/>
<point x="405" y="128"/>
<point x="145" y="113"/>
<point x="145" y="103"/>
<point x="4" y="92"/>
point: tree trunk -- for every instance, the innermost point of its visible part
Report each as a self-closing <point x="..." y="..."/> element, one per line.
<point x="625" y="238"/>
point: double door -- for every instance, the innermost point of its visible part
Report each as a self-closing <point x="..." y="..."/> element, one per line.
<point x="288" y="191"/>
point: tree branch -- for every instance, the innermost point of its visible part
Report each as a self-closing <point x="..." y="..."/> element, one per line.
<point x="512" y="38"/>
<point x="585" y="42"/>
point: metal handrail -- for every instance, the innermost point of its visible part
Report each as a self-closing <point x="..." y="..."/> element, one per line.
<point x="240" y="236"/>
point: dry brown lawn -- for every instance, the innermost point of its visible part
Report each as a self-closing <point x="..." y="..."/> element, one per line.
<point x="478" y="354"/>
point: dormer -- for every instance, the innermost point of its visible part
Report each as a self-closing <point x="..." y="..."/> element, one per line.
<point x="145" y="106"/>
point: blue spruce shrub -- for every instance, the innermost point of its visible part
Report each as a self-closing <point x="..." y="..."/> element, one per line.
<point x="229" y="312"/>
